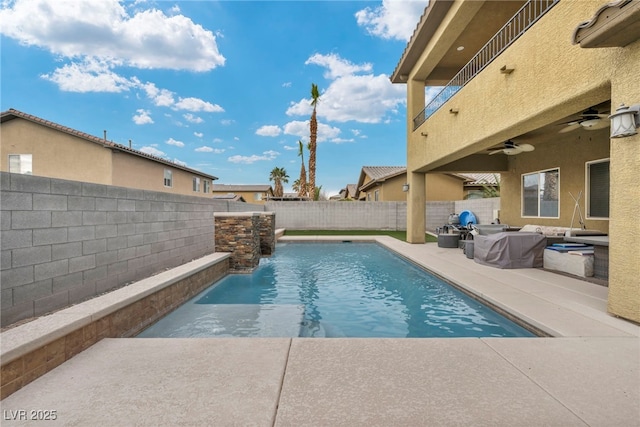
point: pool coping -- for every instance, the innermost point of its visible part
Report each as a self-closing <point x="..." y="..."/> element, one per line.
<point x="30" y="350"/>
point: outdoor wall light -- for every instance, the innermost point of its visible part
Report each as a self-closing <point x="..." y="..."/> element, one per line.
<point x="405" y="187"/>
<point x="625" y="121"/>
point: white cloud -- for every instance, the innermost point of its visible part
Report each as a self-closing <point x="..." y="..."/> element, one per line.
<point x="205" y="149"/>
<point x="227" y="122"/>
<point x="286" y="84"/>
<point x="269" y="130"/>
<point x="336" y="66"/>
<point x="196" y="104"/>
<point x="267" y="155"/>
<point x="153" y="151"/>
<point x="91" y="75"/>
<point x="160" y="97"/>
<point x="179" y="162"/>
<point x="394" y="19"/>
<point x="192" y="119"/>
<point x="364" y="98"/>
<point x="341" y="140"/>
<point x="301" y="130"/>
<point x="143" y="117"/>
<point x="217" y="140"/>
<point x="198" y="134"/>
<point x="175" y="143"/>
<point x="105" y="30"/>
<point x="290" y="148"/>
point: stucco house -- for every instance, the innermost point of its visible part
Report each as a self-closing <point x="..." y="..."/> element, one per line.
<point x="525" y="89"/>
<point x="35" y="146"/>
<point x="388" y="184"/>
<point x="258" y="194"/>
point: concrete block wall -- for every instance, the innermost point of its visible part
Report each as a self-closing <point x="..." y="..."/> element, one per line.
<point x="66" y="241"/>
<point x="339" y="215"/>
<point x="372" y="215"/>
<point x="483" y="209"/>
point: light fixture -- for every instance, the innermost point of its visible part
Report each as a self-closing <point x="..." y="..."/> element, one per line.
<point x="460" y="48"/>
<point x="625" y="121"/>
<point x="454" y="110"/>
<point x="405" y="187"/>
<point x="505" y="70"/>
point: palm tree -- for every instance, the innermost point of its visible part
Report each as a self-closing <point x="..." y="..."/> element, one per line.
<point x="302" y="181"/>
<point x="313" y="130"/>
<point x="278" y="176"/>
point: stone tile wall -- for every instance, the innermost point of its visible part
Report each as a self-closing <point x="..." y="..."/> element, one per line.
<point x="238" y="233"/>
<point x="267" y="232"/>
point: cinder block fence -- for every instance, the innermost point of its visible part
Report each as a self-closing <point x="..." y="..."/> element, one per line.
<point x="65" y="241"/>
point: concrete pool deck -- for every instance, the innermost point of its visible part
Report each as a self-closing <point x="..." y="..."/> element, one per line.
<point x="588" y="375"/>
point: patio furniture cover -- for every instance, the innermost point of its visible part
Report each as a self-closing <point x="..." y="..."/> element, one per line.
<point x="510" y="250"/>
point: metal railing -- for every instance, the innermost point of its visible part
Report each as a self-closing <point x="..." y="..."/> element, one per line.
<point x="517" y="25"/>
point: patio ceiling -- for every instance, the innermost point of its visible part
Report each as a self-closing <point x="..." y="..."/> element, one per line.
<point x="477" y="23"/>
<point x="473" y="160"/>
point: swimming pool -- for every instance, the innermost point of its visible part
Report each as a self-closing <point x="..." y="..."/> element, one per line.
<point x="338" y="289"/>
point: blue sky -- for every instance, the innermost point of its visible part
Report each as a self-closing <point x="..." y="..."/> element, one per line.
<point x="219" y="86"/>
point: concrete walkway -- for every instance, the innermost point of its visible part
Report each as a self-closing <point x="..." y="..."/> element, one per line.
<point x="588" y="375"/>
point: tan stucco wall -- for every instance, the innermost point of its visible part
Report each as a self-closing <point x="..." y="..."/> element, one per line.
<point x="569" y="152"/>
<point x="137" y="172"/>
<point x="551" y="80"/>
<point x="441" y="187"/>
<point x="55" y="154"/>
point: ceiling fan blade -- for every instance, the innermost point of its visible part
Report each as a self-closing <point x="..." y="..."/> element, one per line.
<point x="526" y="147"/>
<point x="512" y="151"/>
<point x="570" y="127"/>
<point x="595" y="124"/>
<point x="496" y="151"/>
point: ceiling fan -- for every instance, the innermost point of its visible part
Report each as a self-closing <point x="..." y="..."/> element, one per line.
<point x="590" y="120"/>
<point x="511" y="148"/>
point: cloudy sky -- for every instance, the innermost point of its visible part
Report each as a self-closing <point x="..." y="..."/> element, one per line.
<point x="220" y="86"/>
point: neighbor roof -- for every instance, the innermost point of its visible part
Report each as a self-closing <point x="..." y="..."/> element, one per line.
<point x="378" y="174"/>
<point x="481" y="178"/>
<point x="230" y="188"/>
<point x="12" y="113"/>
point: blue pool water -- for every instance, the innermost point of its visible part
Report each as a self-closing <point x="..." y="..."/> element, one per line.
<point x="334" y="290"/>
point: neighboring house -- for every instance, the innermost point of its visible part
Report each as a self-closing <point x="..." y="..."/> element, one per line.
<point x="230" y="197"/>
<point x="291" y="197"/>
<point x="480" y="185"/>
<point x="544" y="75"/>
<point x="348" y="192"/>
<point x="381" y="184"/>
<point x="387" y="184"/>
<point x="250" y="193"/>
<point x="31" y="145"/>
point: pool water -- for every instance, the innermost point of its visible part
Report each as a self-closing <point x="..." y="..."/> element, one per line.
<point x="338" y="289"/>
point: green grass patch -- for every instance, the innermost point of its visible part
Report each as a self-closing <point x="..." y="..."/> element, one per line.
<point x="400" y="235"/>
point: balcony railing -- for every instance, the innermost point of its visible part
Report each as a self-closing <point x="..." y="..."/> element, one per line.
<point x="517" y="25"/>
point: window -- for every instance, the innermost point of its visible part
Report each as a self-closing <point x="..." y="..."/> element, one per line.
<point x="376" y="195"/>
<point x="257" y="196"/>
<point x="598" y="189"/>
<point x="196" y="183"/>
<point x="541" y="194"/>
<point x="207" y="186"/>
<point x="21" y="163"/>
<point x="168" y="178"/>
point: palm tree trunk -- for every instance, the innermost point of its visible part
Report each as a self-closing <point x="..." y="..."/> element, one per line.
<point x="313" y="127"/>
